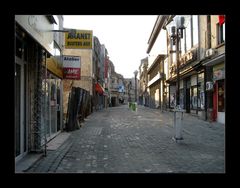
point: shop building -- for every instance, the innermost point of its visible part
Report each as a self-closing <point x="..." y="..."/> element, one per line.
<point x="38" y="88"/>
<point x="191" y="75"/>
<point x="201" y="59"/>
<point x="157" y="50"/>
<point x="143" y="82"/>
<point x="213" y="60"/>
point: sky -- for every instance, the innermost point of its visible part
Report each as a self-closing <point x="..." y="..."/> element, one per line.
<point x="125" y="37"/>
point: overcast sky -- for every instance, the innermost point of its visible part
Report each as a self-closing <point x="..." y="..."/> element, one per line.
<point x="125" y="37"/>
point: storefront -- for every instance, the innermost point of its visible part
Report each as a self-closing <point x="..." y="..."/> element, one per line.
<point x="52" y="100"/>
<point x="215" y="88"/>
<point x="28" y="72"/>
<point x="155" y="95"/>
<point x="31" y="48"/>
<point x="219" y="92"/>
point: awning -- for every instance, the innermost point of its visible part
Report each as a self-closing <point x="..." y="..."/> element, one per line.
<point x="99" y="88"/>
<point x="214" y="61"/>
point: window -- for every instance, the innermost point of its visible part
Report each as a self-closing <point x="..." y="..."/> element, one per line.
<point x="194" y="97"/>
<point x="188" y="33"/>
<point x="221" y="33"/>
<point x="201" y="99"/>
<point x="181" y="98"/>
<point x="195" y="29"/>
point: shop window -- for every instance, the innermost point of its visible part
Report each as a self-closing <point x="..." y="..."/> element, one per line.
<point x="181" y="98"/>
<point x="53" y="90"/>
<point x="172" y="91"/>
<point x="194" y="97"/>
<point x="201" y="97"/>
<point x="221" y="96"/>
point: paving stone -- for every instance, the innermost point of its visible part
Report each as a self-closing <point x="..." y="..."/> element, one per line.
<point x="116" y="140"/>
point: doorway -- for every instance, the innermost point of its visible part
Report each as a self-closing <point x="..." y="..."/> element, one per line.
<point x="20" y="109"/>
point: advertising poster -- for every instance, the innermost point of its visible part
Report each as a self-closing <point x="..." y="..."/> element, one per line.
<point x="71" y="67"/>
<point x="78" y="39"/>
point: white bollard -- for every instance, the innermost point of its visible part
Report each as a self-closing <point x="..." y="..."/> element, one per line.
<point x="178" y="117"/>
<point x="178" y="126"/>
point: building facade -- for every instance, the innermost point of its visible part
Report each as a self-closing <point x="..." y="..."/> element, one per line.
<point x="156" y="64"/>
<point x="38" y="82"/>
<point x="201" y="58"/>
<point x="143" y="83"/>
<point x="213" y="62"/>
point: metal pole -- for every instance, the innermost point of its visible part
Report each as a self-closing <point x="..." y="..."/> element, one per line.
<point x="178" y="112"/>
<point x="135" y="88"/>
<point x="178" y="77"/>
<point x="45" y="117"/>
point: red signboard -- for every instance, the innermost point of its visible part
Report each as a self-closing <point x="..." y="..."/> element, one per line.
<point x="71" y="67"/>
<point x="72" y="73"/>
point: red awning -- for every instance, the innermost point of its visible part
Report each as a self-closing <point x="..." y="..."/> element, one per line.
<point x="99" y="88"/>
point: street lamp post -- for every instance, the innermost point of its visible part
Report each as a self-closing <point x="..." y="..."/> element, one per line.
<point x="135" y="74"/>
<point x="176" y="35"/>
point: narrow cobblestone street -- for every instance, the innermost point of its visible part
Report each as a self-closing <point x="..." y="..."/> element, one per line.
<point x="118" y="140"/>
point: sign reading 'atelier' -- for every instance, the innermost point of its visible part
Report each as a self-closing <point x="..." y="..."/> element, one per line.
<point x="78" y="39"/>
<point x="71" y="67"/>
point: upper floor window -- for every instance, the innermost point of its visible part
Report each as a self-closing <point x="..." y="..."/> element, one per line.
<point x="188" y="21"/>
<point x="190" y="37"/>
<point x="195" y="29"/>
<point x="220" y="33"/>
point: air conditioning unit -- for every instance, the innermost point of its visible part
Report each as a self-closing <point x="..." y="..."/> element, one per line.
<point x="209" y="86"/>
<point x="210" y="52"/>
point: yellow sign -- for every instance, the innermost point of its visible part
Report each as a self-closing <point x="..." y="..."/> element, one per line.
<point x="54" y="67"/>
<point x="80" y="39"/>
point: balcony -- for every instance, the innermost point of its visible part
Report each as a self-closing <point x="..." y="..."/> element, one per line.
<point x="156" y="78"/>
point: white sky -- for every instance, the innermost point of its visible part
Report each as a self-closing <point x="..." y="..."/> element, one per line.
<point x="125" y="37"/>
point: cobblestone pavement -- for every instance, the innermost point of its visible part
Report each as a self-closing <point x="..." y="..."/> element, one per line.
<point x="118" y="140"/>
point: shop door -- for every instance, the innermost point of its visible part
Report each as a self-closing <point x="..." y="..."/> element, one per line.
<point x="20" y="111"/>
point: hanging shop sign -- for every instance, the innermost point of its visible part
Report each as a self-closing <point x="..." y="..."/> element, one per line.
<point x="78" y="39"/>
<point x="71" y="67"/>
